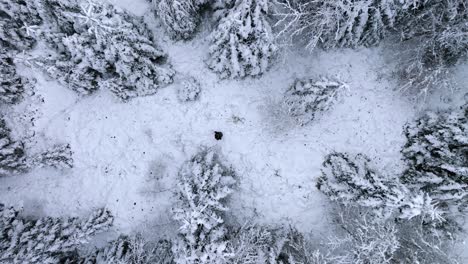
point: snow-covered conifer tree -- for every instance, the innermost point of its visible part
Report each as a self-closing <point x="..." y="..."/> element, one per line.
<point x="180" y="17"/>
<point x="437" y="155"/>
<point x="242" y="44"/>
<point x="59" y="156"/>
<point x="348" y="178"/>
<point x="12" y="156"/>
<point x="12" y="85"/>
<point x="438" y="27"/>
<point x="352" y="181"/>
<point x="45" y="240"/>
<point x="204" y="184"/>
<point x="98" y="45"/>
<point x="130" y="250"/>
<point x="254" y="244"/>
<point x="335" y="23"/>
<point x="19" y="23"/>
<point x="307" y="99"/>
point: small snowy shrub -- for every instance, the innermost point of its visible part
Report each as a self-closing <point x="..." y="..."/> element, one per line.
<point x="180" y="17"/>
<point x="45" y="240"/>
<point x="335" y="23"/>
<point x="18" y="24"/>
<point x="307" y="99"/>
<point x="12" y="158"/>
<point x="437" y="155"/>
<point x="203" y="186"/>
<point x="189" y="90"/>
<point x="242" y="44"/>
<point x="12" y="85"/>
<point x="98" y="45"/>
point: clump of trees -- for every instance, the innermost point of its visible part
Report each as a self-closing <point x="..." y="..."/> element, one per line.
<point x="14" y="159"/>
<point x="424" y="205"/>
<point x="436" y="154"/>
<point x="432" y="32"/>
<point x="46" y="240"/>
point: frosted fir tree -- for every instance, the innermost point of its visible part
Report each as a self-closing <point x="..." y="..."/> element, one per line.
<point x="45" y="240"/>
<point x="12" y="85"/>
<point x="130" y="250"/>
<point x="189" y="90"/>
<point x="352" y="180"/>
<point x="441" y="43"/>
<point x="307" y="99"/>
<point x="59" y="156"/>
<point x="19" y="24"/>
<point x="204" y="185"/>
<point x="99" y="45"/>
<point x="180" y="17"/>
<point x="366" y="240"/>
<point x="335" y="23"/>
<point x="253" y="244"/>
<point x="12" y="155"/>
<point x="242" y="44"/>
<point x="14" y="159"/>
<point x="437" y="156"/>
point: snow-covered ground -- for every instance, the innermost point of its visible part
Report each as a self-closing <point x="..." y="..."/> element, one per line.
<point x="126" y="155"/>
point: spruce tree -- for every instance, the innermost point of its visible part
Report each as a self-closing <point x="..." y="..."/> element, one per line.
<point x="19" y="23"/>
<point x="12" y="85"/>
<point x="129" y="250"/>
<point x="12" y="156"/>
<point x="437" y="156"/>
<point x="336" y="23"/>
<point x="351" y="179"/>
<point x="203" y="186"/>
<point x="307" y="99"/>
<point x="180" y="17"/>
<point x="98" y="45"/>
<point x="45" y="240"/>
<point x="436" y="33"/>
<point x="242" y="44"/>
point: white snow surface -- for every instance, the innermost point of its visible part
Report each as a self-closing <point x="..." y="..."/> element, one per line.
<point x="126" y="155"/>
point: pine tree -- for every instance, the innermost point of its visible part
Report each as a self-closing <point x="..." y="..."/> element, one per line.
<point x="12" y="85"/>
<point x="45" y="240"/>
<point x="12" y="156"/>
<point x="242" y="44"/>
<point x="437" y="156"/>
<point x="204" y="184"/>
<point x="98" y="45"/>
<point x="307" y="99"/>
<point x="19" y="22"/>
<point x="180" y="17"/>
